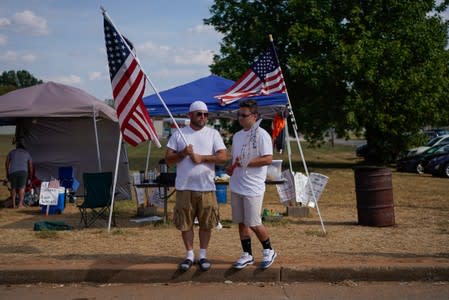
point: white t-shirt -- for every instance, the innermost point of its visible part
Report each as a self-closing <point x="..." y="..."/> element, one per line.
<point x="191" y="176"/>
<point x="250" y="181"/>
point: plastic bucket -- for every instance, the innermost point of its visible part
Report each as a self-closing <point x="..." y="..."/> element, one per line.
<point x="221" y="193"/>
<point x="274" y="171"/>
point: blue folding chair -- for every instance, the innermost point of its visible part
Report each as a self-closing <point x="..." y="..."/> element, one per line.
<point x="68" y="181"/>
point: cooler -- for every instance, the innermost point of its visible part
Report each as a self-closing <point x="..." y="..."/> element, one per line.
<point x="221" y="189"/>
<point x="56" y="209"/>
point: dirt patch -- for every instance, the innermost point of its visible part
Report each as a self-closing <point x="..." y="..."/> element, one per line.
<point x="421" y="232"/>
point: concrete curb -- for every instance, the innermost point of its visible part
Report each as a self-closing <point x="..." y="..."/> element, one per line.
<point x="168" y="273"/>
<point x="366" y="273"/>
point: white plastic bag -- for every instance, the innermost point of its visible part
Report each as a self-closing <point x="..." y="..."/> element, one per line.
<point x="140" y="192"/>
<point x="300" y="188"/>
<point x="157" y="197"/>
<point x="286" y="191"/>
<point x="318" y="182"/>
<point x="297" y="189"/>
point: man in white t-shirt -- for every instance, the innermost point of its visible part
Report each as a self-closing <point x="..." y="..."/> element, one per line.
<point x="252" y="152"/>
<point x="195" y="186"/>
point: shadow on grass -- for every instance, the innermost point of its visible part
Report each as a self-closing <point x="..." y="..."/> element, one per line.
<point x="297" y="165"/>
<point x="317" y="222"/>
<point x="396" y="255"/>
<point x="123" y="220"/>
<point x="19" y="249"/>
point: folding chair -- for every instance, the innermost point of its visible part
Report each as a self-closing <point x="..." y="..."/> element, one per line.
<point x="68" y="181"/>
<point x="97" y="198"/>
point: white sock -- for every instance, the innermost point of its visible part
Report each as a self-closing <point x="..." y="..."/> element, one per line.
<point x="190" y="255"/>
<point x="202" y="253"/>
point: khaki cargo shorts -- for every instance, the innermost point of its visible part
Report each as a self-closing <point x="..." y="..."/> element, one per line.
<point x="191" y="204"/>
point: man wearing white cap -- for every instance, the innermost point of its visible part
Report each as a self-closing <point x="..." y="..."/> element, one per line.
<point x="195" y="186"/>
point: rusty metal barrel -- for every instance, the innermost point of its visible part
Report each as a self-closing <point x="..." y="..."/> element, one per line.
<point x="374" y="193"/>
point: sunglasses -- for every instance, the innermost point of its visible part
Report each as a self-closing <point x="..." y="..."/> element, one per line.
<point x="243" y="115"/>
<point x="199" y="114"/>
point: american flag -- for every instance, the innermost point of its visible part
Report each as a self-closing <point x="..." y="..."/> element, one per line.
<point x="128" y="85"/>
<point x="264" y="77"/>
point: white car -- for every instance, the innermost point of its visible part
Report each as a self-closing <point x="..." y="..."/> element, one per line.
<point x="439" y="140"/>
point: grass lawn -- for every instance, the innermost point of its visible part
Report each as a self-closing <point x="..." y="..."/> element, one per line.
<point x="421" y="209"/>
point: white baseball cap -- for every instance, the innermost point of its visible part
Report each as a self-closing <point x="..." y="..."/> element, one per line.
<point x="198" y="105"/>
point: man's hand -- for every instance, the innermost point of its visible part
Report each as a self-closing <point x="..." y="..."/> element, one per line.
<point x="185" y="152"/>
<point x="230" y="168"/>
<point x="196" y="158"/>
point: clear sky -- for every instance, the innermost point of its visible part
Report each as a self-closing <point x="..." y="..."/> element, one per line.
<point x="63" y="40"/>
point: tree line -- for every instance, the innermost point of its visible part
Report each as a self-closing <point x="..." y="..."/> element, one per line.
<point x="376" y="68"/>
<point x="12" y="80"/>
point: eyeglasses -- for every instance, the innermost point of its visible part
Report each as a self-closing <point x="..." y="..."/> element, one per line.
<point x="239" y="115"/>
<point x="199" y="114"/>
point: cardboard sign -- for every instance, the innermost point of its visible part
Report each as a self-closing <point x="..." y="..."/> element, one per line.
<point x="48" y="196"/>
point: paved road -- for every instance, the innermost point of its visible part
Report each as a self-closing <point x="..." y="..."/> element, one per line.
<point x="348" y="290"/>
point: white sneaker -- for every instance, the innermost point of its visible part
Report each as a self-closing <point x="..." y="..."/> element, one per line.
<point x="268" y="258"/>
<point x="243" y="261"/>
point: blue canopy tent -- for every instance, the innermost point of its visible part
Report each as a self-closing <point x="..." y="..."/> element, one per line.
<point x="178" y="99"/>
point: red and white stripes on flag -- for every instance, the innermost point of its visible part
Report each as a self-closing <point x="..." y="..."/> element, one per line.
<point x="128" y="85"/>
<point x="264" y="77"/>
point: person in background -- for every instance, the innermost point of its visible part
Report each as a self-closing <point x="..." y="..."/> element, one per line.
<point x="195" y="186"/>
<point x="252" y="152"/>
<point x="19" y="169"/>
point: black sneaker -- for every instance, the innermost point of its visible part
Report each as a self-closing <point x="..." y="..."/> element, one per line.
<point x="185" y="265"/>
<point x="204" y="264"/>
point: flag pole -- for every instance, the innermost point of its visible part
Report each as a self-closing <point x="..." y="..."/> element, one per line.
<point x="105" y="14"/>
<point x="111" y="209"/>
<point x="295" y="129"/>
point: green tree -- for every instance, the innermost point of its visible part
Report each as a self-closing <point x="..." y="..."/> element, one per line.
<point x="12" y="80"/>
<point x="378" y="67"/>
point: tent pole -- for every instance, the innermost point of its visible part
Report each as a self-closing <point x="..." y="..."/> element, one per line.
<point x="96" y="138"/>
<point x="295" y="129"/>
<point x="148" y="159"/>
<point x="115" y="180"/>
<point x="289" y="148"/>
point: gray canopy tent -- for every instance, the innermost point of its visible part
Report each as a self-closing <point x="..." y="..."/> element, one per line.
<point x="64" y="126"/>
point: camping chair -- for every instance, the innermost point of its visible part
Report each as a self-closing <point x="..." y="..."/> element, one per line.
<point x="68" y="181"/>
<point x="97" y="198"/>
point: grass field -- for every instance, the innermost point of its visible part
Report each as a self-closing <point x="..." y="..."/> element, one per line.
<point x="421" y="208"/>
<point x="335" y="162"/>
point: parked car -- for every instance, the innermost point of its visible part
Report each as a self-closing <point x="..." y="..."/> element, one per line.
<point x="432" y="133"/>
<point x="439" y="140"/>
<point x="417" y="162"/>
<point x="361" y="150"/>
<point x="438" y="166"/>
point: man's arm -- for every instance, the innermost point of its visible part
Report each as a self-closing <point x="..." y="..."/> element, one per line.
<point x="261" y="161"/>
<point x="7" y="167"/>
<point x="218" y="158"/>
<point x="30" y="169"/>
<point x="172" y="157"/>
